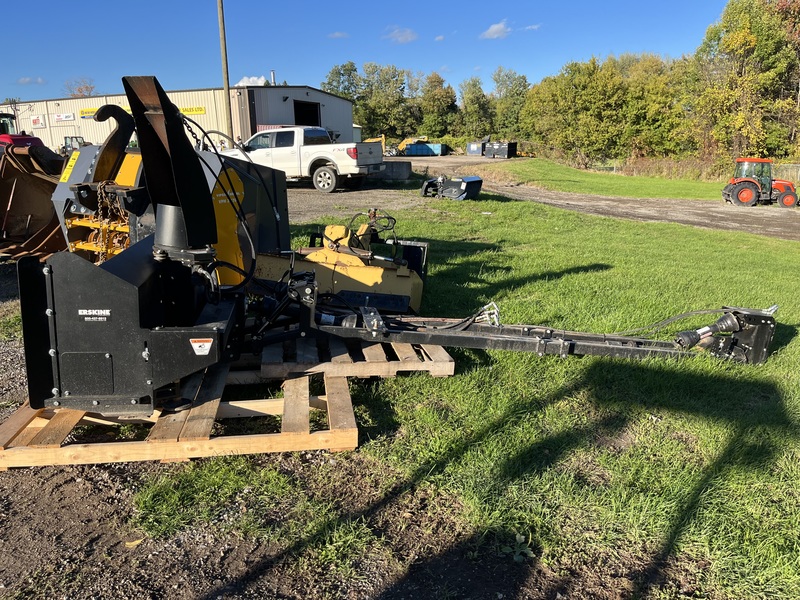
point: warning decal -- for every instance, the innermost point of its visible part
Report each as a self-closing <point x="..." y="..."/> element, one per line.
<point x="70" y="165"/>
<point x="201" y="346"/>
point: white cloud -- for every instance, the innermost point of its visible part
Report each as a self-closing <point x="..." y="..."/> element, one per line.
<point x="533" y="27"/>
<point x="31" y="80"/>
<point x="496" y="32"/>
<point x="438" y="38"/>
<point x="245" y="81"/>
<point x="401" y="35"/>
<point x="337" y="35"/>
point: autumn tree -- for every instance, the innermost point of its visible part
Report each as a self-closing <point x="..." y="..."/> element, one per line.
<point x="789" y="13"/>
<point x="79" y="88"/>
<point x="744" y="64"/>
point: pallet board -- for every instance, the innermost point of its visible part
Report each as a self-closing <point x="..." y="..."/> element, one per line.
<point x="306" y="356"/>
<point x="38" y="437"/>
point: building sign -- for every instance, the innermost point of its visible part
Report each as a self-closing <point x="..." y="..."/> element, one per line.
<point x="60" y="117"/>
<point x="38" y="122"/>
<point x="88" y="113"/>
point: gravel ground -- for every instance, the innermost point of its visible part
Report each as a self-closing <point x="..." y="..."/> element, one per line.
<point x="13" y="382"/>
<point x="65" y="532"/>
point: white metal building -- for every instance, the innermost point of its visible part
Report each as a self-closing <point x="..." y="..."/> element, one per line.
<point x="253" y="109"/>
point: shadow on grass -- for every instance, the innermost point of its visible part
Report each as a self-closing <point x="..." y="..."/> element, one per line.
<point x="484" y="283"/>
<point x="620" y="392"/>
<point x="477" y="279"/>
<point x="783" y="335"/>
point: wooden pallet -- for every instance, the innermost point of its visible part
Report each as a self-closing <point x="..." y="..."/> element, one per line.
<point x="334" y="357"/>
<point x="39" y="437"/>
<point x="35" y="437"/>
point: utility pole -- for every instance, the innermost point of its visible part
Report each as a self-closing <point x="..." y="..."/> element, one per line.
<point x="225" y="84"/>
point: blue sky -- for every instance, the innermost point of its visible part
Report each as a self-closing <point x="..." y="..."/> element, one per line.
<point x="178" y="42"/>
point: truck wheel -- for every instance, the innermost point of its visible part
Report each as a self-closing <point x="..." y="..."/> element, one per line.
<point x="326" y="179"/>
<point x="744" y="194"/>
<point x="787" y="200"/>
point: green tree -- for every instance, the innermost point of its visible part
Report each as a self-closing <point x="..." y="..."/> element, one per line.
<point x="579" y="112"/>
<point x="343" y="80"/>
<point x="438" y="103"/>
<point x="510" y="89"/>
<point x="383" y="100"/>
<point x="476" y="109"/>
<point x="654" y="123"/>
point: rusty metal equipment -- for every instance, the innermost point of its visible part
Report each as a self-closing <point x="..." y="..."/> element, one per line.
<point x="28" y="222"/>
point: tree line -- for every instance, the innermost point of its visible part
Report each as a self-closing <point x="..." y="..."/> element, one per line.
<point x="737" y="95"/>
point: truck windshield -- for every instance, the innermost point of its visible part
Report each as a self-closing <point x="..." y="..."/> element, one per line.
<point x="754" y="170"/>
<point x="7" y="124"/>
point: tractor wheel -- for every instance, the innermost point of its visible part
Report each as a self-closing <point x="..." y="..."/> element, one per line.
<point x="787" y="200"/>
<point x="325" y="179"/>
<point x="744" y="194"/>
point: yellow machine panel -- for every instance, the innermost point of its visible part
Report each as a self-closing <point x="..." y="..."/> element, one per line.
<point x="228" y="246"/>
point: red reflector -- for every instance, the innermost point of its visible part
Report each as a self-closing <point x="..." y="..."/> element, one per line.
<point x="353" y="153"/>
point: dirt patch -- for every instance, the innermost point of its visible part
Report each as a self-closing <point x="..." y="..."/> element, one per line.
<point x="307" y="205"/>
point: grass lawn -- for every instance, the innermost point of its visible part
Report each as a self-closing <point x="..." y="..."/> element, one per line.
<point x="554" y="176"/>
<point x="660" y="479"/>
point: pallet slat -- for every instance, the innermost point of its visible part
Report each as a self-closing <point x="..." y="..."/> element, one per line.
<point x="370" y="360"/>
<point x="307" y="351"/>
<point x="56" y="431"/>
<point x="18" y="421"/>
<point x="340" y="407"/>
<point x="295" y="406"/>
<point x="339" y="352"/>
<point x="203" y="413"/>
<point x="374" y="353"/>
<point x="405" y="352"/>
<point x="108" y="452"/>
<point x="168" y="427"/>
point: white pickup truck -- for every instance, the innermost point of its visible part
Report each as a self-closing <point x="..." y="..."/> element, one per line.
<point x="308" y="152"/>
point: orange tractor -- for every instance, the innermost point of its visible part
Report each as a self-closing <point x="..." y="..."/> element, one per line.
<point x="752" y="183"/>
